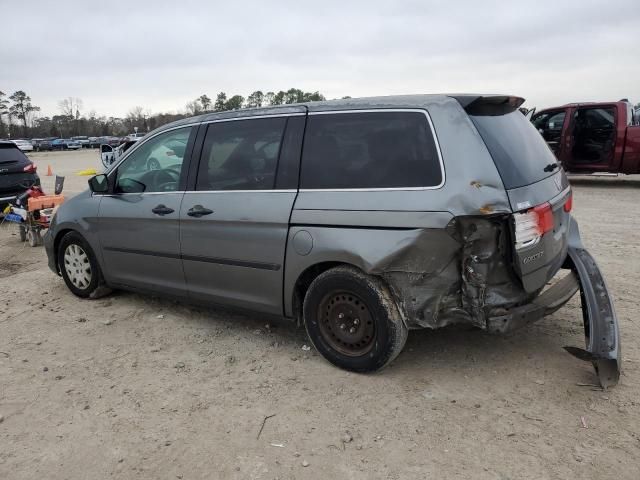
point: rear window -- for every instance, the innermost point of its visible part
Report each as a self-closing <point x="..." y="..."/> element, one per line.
<point x="369" y="150"/>
<point x="518" y="150"/>
<point x="11" y="154"/>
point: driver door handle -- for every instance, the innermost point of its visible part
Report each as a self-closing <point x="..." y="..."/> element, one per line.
<point x="162" y="210"/>
<point x="198" y="211"/>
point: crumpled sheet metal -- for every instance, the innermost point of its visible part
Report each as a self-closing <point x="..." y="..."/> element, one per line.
<point x="439" y="276"/>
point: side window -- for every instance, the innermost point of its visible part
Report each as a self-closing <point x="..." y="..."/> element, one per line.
<point x="156" y="165"/>
<point x="369" y="150"/>
<point x="550" y="125"/>
<point x="556" y="121"/>
<point x="241" y="154"/>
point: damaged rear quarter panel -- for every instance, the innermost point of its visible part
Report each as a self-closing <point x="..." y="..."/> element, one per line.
<point x="403" y="235"/>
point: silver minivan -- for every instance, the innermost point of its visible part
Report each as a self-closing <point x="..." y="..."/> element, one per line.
<point x="359" y="218"/>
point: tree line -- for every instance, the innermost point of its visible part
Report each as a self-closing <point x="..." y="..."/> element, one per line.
<point x="19" y="116"/>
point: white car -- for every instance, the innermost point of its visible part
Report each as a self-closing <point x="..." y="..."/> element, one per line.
<point x="159" y="157"/>
<point x="135" y="136"/>
<point x="24" y="145"/>
<point x="109" y="154"/>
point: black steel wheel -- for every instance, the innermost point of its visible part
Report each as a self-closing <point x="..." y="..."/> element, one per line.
<point x="346" y="324"/>
<point x="352" y="320"/>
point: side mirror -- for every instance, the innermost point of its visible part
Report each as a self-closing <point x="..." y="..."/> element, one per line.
<point x="99" y="184"/>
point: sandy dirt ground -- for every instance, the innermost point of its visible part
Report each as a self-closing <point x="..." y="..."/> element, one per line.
<point x="135" y="387"/>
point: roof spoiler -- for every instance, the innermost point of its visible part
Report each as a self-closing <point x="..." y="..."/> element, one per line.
<point x="491" y="105"/>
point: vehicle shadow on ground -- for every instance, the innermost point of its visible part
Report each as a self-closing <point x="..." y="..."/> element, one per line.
<point x="456" y="349"/>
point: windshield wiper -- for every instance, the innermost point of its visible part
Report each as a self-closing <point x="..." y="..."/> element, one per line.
<point x="551" y="167"/>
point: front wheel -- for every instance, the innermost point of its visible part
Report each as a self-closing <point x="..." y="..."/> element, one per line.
<point x="353" y="321"/>
<point x="78" y="266"/>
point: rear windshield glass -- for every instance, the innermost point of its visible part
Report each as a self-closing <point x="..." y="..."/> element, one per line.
<point x="11" y="154"/>
<point x="518" y="150"/>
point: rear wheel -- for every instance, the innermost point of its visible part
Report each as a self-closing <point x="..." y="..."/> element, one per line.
<point x="23" y="232"/>
<point x="353" y="321"/>
<point x="78" y="266"/>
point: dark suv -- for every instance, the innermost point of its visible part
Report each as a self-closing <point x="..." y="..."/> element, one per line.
<point x="17" y="173"/>
<point x="359" y="218"/>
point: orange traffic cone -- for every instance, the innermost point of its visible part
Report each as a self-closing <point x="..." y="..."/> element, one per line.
<point x="49" y="172"/>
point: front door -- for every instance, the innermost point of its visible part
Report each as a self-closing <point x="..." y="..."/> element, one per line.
<point x="139" y="220"/>
<point x="106" y="155"/>
<point x="592" y="140"/>
<point x="234" y="225"/>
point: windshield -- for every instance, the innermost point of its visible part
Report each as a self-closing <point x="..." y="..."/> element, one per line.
<point x="521" y="155"/>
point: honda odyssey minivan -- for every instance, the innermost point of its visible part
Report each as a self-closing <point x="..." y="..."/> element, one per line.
<point x="359" y="218"/>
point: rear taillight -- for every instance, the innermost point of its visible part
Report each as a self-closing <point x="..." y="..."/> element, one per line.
<point x="533" y="224"/>
<point x="568" y="204"/>
<point x="31" y="168"/>
<point x="545" y="217"/>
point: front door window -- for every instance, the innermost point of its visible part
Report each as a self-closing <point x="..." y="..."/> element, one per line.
<point x="550" y="127"/>
<point x="156" y="165"/>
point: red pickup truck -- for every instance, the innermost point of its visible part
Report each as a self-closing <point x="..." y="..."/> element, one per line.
<point x="592" y="137"/>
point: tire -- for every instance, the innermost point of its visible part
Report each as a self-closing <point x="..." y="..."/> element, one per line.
<point x="153" y="164"/>
<point x="80" y="269"/>
<point x="353" y="321"/>
<point x="33" y="237"/>
<point x="22" y="232"/>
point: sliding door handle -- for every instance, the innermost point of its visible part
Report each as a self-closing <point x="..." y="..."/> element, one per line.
<point x="198" y="211"/>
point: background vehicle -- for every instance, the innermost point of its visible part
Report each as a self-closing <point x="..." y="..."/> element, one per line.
<point x="94" y="142"/>
<point x="17" y="173"/>
<point x="58" y="144"/>
<point x="109" y="154"/>
<point x="82" y="140"/>
<point x="112" y="141"/>
<point x="24" y="145"/>
<point x="592" y="137"/>
<point x="43" y="145"/>
<point x="65" y="144"/>
<point x="72" y="144"/>
<point x="165" y="155"/>
<point x="374" y="227"/>
<point x="134" y="136"/>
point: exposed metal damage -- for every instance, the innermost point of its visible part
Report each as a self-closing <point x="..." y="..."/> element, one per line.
<point x="476" y="283"/>
<point x="467" y="283"/>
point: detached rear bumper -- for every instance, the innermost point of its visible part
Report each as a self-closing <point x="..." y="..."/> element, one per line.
<point x="601" y="329"/>
<point x="600" y="322"/>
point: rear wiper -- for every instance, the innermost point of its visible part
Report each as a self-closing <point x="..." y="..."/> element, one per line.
<point x="551" y="167"/>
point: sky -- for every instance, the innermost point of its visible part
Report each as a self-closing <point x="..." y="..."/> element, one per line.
<point x="115" y="55"/>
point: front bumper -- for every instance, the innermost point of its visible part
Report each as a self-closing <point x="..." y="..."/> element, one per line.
<point x="602" y="335"/>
